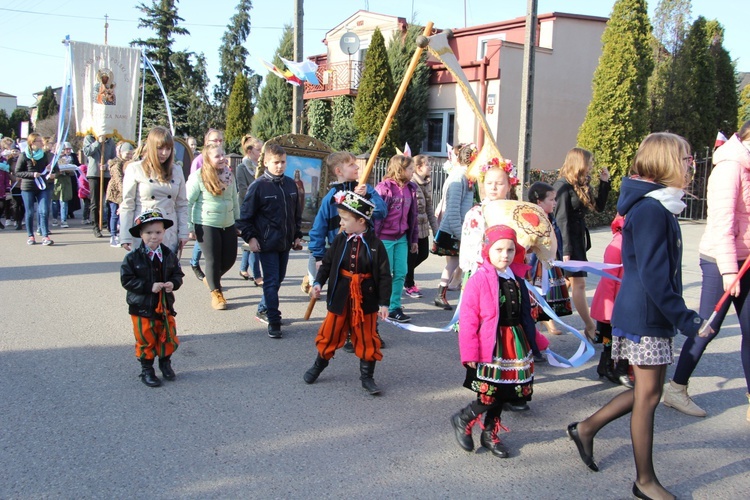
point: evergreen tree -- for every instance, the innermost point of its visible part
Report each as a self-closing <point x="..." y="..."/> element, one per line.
<point x="319" y="119"/>
<point x="274" y="116"/>
<point x="616" y="120"/>
<point x="374" y="98"/>
<point x="47" y="104"/>
<point x="670" y="23"/>
<point x="697" y="119"/>
<point x="232" y="57"/>
<point x="239" y="111"/>
<point x="5" y="128"/>
<point x="192" y="111"/>
<point x="162" y="18"/>
<point x="743" y="113"/>
<point x="18" y="116"/>
<point x="343" y="132"/>
<point x="727" y="98"/>
<point x="413" y="111"/>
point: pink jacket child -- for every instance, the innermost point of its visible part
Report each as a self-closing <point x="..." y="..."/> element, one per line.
<point x="602" y="305"/>
<point x="84" y="192"/>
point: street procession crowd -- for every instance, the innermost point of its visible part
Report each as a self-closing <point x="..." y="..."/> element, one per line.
<point x="366" y="242"/>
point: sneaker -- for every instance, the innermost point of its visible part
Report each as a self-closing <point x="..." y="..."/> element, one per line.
<point x="274" y="331"/>
<point x="54" y="222"/>
<point x="47" y="242"/>
<point x="198" y="272"/>
<point x="398" y="316"/>
<point x="676" y="396"/>
<point x="31" y="241"/>
<point x="113" y="242"/>
<point x="97" y="232"/>
<point x="413" y="292"/>
<point x="64" y="224"/>
<point x="262" y="316"/>
<point x="85" y="222"/>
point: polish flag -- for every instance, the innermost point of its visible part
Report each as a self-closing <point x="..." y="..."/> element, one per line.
<point x="720" y="139"/>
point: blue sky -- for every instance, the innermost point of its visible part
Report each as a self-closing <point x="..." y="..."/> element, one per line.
<point x="32" y="52"/>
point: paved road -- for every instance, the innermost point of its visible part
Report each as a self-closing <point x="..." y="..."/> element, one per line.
<point x="239" y="422"/>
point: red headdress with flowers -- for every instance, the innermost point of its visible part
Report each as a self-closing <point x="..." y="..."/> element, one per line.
<point x="506" y="165"/>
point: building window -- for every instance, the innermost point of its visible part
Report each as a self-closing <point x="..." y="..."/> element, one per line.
<point x="439" y="132"/>
<point x="483" y="41"/>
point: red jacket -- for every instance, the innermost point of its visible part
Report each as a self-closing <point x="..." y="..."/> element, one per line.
<point x="606" y="290"/>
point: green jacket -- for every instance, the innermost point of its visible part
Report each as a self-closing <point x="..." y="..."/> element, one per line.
<point x="206" y="209"/>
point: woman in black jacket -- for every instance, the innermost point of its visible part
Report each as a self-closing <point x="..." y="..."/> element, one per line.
<point x="575" y="198"/>
<point x="33" y="168"/>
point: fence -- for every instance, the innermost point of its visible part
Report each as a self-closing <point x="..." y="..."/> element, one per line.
<point x="695" y="196"/>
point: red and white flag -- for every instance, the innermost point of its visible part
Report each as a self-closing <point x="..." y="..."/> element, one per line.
<point x="720" y="139"/>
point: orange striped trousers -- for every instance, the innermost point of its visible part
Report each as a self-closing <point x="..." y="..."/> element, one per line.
<point x="333" y="331"/>
<point x="153" y="337"/>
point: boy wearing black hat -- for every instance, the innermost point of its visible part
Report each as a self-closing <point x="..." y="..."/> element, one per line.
<point x="360" y="290"/>
<point x="150" y="274"/>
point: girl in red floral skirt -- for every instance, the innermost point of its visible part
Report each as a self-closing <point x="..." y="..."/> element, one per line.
<point x="495" y="312"/>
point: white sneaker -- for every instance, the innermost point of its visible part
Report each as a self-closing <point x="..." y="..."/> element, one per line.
<point x="54" y="222"/>
<point x="676" y="396"/>
<point x="64" y="224"/>
<point x="113" y="242"/>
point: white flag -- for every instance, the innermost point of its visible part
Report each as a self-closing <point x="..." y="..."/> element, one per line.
<point x="105" y="89"/>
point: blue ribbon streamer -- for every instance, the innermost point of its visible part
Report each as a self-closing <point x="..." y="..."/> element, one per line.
<point x="150" y="66"/>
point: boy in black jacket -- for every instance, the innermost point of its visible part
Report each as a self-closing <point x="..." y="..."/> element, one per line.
<point x="270" y="223"/>
<point x="360" y="290"/>
<point x="150" y="274"/>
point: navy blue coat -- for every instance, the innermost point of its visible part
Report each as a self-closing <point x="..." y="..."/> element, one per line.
<point x="650" y="301"/>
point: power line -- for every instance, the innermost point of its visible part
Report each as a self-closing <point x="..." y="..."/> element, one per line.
<point x="135" y="21"/>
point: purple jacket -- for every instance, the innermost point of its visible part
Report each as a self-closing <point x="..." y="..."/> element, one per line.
<point x="402" y="211"/>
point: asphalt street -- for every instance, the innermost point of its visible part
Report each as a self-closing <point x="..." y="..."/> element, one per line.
<point x="239" y="422"/>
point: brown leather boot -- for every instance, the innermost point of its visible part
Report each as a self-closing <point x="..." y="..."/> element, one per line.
<point x="218" y="301"/>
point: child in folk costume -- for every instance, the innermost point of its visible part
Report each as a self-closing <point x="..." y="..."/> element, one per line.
<point x="495" y="312"/>
<point x="360" y="290"/>
<point x="150" y="274"/>
<point x="601" y="309"/>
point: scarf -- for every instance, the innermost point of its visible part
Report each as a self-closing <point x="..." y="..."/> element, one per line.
<point x="34" y="156"/>
<point x="670" y="198"/>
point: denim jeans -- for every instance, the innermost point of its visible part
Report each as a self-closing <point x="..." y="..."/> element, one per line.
<point x="274" y="272"/>
<point x="114" y="219"/>
<point x="42" y="199"/>
<point x="196" y="258"/>
<point x="398" y="252"/>
<point x="250" y="261"/>
<point x="59" y="210"/>
<point x="712" y="288"/>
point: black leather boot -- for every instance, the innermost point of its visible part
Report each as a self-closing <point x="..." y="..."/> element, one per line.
<point x="621" y="373"/>
<point x="441" y="300"/>
<point x="488" y="439"/>
<point x="165" y="365"/>
<point x="315" y="370"/>
<point x="148" y="375"/>
<point x="366" y="370"/>
<point x="462" y="423"/>
<point x="604" y="369"/>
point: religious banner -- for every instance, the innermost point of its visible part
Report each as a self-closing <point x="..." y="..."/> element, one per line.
<point x="105" y="83"/>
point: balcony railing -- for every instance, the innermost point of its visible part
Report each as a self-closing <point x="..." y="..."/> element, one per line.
<point x="340" y="78"/>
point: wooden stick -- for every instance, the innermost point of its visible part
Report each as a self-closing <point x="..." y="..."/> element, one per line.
<point x="101" y="187"/>
<point x="394" y="107"/>
<point x="310" y="308"/>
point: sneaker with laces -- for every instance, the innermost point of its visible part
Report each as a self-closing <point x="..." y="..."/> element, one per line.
<point x="47" y="242"/>
<point x="31" y="241"/>
<point x="274" y="330"/>
<point x="676" y="396"/>
<point x="64" y="224"/>
<point x="398" y="316"/>
<point x="54" y="222"/>
<point x="413" y="292"/>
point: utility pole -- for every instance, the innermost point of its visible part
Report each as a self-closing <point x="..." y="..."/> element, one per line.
<point x="298" y="105"/>
<point x="527" y="98"/>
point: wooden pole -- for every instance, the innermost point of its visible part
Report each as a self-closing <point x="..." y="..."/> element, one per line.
<point x="527" y="99"/>
<point x="310" y="308"/>
<point x="394" y="107"/>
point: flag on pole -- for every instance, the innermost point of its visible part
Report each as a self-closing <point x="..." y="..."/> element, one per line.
<point x="289" y="77"/>
<point x="304" y="70"/>
<point x="105" y="82"/>
<point x="272" y="68"/>
<point x="720" y="139"/>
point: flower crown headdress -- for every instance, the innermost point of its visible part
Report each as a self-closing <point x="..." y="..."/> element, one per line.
<point x="354" y="203"/>
<point x="505" y="165"/>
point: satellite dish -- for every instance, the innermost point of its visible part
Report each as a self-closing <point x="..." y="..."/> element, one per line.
<point x="349" y="43"/>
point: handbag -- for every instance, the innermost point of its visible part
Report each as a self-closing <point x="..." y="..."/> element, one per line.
<point x="557" y="296"/>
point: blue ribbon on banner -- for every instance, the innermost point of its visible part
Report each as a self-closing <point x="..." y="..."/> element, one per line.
<point x="147" y="64"/>
<point x="597" y="268"/>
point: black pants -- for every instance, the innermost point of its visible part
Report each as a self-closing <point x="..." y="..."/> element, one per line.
<point x="219" y="246"/>
<point x="96" y="201"/>
<point x="18" y="209"/>
<point x="414" y="259"/>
